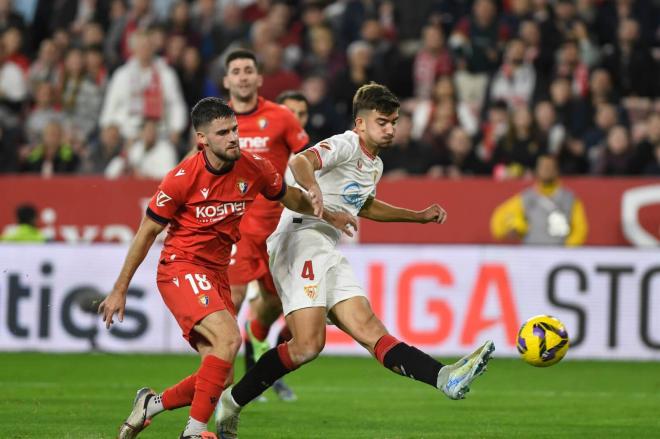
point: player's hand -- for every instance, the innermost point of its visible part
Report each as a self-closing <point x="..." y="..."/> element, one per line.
<point x="114" y="303"/>
<point x="344" y="221"/>
<point x="433" y="213"/>
<point x="316" y="198"/>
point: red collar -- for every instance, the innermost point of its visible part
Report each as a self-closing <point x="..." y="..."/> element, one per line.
<point x="364" y="148"/>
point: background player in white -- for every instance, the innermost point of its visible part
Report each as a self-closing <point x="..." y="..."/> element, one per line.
<point x="315" y="281"/>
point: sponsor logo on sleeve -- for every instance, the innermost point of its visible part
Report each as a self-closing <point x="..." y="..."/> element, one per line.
<point x="162" y="198"/>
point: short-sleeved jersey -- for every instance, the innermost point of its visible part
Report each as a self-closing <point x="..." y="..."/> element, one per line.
<point x="348" y="176"/>
<point x="274" y="133"/>
<point x="204" y="206"/>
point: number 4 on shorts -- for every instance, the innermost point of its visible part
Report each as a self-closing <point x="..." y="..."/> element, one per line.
<point x="308" y="270"/>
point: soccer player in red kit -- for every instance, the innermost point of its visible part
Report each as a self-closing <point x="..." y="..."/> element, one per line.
<point x="273" y="132"/>
<point x="203" y="200"/>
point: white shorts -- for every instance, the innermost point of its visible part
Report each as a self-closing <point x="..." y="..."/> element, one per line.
<point x="309" y="271"/>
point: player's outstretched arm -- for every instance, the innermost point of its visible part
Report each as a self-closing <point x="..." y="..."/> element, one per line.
<point x="377" y="210"/>
<point x="116" y="301"/>
<point x="302" y="167"/>
<point x="296" y="200"/>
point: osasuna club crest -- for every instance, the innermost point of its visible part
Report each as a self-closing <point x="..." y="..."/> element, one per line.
<point x="242" y="186"/>
<point x="262" y="122"/>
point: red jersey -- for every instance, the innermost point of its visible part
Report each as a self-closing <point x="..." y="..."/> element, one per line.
<point x="204" y="206"/>
<point x="272" y="131"/>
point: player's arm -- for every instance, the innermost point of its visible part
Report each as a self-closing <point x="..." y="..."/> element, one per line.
<point x="508" y="219"/>
<point x="579" y="227"/>
<point x="377" y="210"/>
<point x="303" y="167"/>
<point x="296" y="200"/>
<point x="116" y="301"/>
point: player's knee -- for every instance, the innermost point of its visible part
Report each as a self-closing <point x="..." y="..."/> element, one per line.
<point x="226" y="345"/>
<point x="307" y="349"/>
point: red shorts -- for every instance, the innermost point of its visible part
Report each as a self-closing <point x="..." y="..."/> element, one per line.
<point x="249" y="261"/>
<point x="192" y="292"/>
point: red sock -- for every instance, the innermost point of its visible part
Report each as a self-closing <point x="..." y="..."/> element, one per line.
<point x="259" y="331"/>
<point x="211" y="378"/>
<point x="383" y="346"/>
<point x="285" y="357"/>
<point x="180" y="394"/>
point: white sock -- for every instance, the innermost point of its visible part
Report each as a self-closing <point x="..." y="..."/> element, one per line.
<point x="194" y="427"/>
<point x="155" y="406"/>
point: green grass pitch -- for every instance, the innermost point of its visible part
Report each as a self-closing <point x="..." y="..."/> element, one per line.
<point x="88" y="395"/>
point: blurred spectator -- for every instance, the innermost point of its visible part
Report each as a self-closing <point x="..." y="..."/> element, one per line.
<point x="323" y="56"/>
<point x="53" y="155"/>
<point x="44" y="111"/>
<point x="297" y="103"/>
<point x="538" y="54"/>
<point x="80" y="95"/>
<point x="96" y="70"/>
<point x="276" y="78"/>
<point x="13" y="91"/>
<point x="151" y="157"/>
<point x="478" y="39"/>
<point x="569" y="111"/>
<point x="645" y="160"/>
<point x="615" y="158"/>
<point x="357" y="73"/>
<point x="545" y="214"/>
<point x="432" y="60"/>
<point x="492" y="130"/>
<point x="550" y="133"/>
<point x="324" y="121"/>
<point x="459" y="158"/>
<point x="605" y="118"/>
<point x="517" y="152"/>
<point x="443" y="119"/>
<point x="519" y="11"/>
<point x="46" y="67"/>
<point x="25" y="231"/>
<point x="106" y="149"/>
<point x="124" y="22"/>
<point x="515" y="80"/>
<point x="9" y="17"/>
<point x="191" y="75"/>
<point x="385" y="56"/>
<point x="9" y="152"/>
<point x="571" y="66"/>
<point x="630" y="63"/>
<point x="144" y="88"/>
<point x="12" y="41"/>
<point x="572" y="157"/>
<point x="404" y="156"/>
<point x="180" y="24"/>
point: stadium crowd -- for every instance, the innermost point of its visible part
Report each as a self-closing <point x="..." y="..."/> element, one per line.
<point x="105" y="86"/>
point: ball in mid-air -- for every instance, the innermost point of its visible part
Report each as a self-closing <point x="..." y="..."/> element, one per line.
<point x="542" y="341"/>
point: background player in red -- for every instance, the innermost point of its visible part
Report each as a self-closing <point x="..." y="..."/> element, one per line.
<point x="273" y="132"/>
<point x="203" y="200"/>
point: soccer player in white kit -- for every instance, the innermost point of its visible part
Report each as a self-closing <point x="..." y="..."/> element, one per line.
<point x="315" y="281"/>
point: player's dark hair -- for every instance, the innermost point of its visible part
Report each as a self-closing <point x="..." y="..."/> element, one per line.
<point x="240" y="54"/>
<point x="208" y="109"/>
<point x="294" y="95"/>
<point x="375" y="96"/>
<point x="26" y="214"/>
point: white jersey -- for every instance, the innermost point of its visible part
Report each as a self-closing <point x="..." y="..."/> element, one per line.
<point x="348" y="176"/>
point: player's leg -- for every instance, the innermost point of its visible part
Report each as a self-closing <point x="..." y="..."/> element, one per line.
<point x="308" y="329"/>
<point x="355" y="317"/>
<point x="219" y="341"/>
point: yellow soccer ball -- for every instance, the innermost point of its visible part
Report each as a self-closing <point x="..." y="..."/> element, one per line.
<point x="542" y="341"/>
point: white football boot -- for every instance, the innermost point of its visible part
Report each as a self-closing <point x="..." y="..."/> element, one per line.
<point x="454" y="380"/>
<point x="227" y="416"/>
<point x="137" y="420"/>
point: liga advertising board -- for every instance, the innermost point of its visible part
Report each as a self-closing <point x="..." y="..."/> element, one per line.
<point x="443" y="299"/>
<point x="620" y="211"/>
